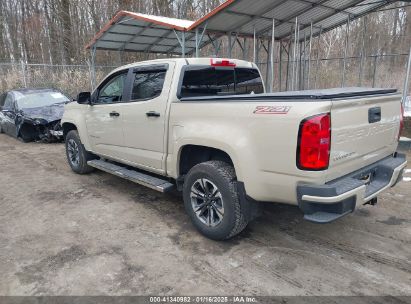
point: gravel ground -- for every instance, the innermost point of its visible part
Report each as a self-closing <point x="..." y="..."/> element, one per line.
<point x="65" y="234"/>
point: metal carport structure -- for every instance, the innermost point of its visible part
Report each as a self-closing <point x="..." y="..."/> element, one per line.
<point x="263" y="22"/>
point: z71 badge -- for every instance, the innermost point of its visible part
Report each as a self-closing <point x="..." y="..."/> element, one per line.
<point x="272" y="109"/>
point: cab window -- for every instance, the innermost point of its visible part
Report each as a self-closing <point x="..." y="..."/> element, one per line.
<point x="112" y="89"/>
<point x="214" y="81"/>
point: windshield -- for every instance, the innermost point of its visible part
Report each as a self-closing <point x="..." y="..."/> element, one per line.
<point x="39" y="99"/>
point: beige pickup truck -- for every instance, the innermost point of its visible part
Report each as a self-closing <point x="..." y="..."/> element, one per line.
<point x="205" y="126"/>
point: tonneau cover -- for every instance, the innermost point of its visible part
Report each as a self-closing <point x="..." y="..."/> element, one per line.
<point x="306" y="94"/>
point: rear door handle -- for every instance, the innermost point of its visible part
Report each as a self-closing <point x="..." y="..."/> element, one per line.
<point x="153" y="114"/>
<point x="114" y="114"/>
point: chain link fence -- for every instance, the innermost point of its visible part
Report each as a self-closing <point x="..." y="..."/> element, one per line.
<point x="378" y="71"/>
<point x="70" y="79"/>
<point x="386" y="71"/>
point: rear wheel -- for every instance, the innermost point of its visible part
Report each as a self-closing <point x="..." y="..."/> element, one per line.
<point x="77" y="156"/>
<point x="212" y="202"/>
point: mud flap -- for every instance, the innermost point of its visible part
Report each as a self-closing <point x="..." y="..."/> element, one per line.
<point x="251" y="208"/>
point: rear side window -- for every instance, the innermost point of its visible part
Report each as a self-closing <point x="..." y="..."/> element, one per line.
<point x="148" y="84"/>
<point x="211" y="81"/>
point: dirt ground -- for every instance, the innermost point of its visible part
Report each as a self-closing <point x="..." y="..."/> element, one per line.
<point x="65" y="234"/>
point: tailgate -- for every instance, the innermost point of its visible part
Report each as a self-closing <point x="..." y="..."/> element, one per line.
<point x="363" y="130"/>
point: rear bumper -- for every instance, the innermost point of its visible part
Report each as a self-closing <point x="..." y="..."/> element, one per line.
<point x="326" y="203"/>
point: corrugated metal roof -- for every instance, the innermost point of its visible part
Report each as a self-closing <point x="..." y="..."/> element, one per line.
<point x="136" y="32"/>
<point x="246" y="14"/>
<point x="147" y="33"/>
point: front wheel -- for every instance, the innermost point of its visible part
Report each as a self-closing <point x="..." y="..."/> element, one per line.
<point x="24" y="139"/>
<point x="77" y="156"/>
<point x="212" y="202"/>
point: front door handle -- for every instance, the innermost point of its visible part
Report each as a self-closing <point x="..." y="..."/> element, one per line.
<point x="114" y="114"/>
<point x="153" y="114"/>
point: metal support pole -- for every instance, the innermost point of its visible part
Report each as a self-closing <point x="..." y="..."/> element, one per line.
<point x="217" y="49"/>
<point x="362" y="51"/>
<point x="183" y="47"/>
<point x="271" y="84"/>
<point x="230" y="45"/>
<point x="254" y="45"/>
<point x="93" y="68"/>
<point x="197" y="44"/>
<point x="317" y="65"/>
<point x="268" y="69"/>
<point x="199" y="39"/>
<point x="245" y="49"/>
<point x="287" y="74"/>
<point x="309" y="56"/>
<point x="347" y="31"/>
<point x="280" y="56"/>
<point x="297" y="59"/>
<point x="304" y="62"/>
<point x="182" y="42"/>
<point x="407" y="79"/>
<point x="375" y="71"/>
<point x="23" y="71"/>
<point x="294" y="55"/>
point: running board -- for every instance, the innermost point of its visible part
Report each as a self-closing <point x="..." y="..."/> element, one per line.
<point x="137" y="177"/>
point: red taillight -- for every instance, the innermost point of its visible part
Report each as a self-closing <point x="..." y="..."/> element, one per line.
<point x="314" y="143"/>
<point x="401" y="121"/>
<point x="222" y="63"/>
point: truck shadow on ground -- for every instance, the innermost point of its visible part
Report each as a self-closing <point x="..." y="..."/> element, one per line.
<point x="280" y="228"/>
<point x="170" y="209"/>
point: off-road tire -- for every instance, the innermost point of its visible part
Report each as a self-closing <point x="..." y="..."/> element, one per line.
<point x="224" y="177"/>
<point x="84" y="155"/>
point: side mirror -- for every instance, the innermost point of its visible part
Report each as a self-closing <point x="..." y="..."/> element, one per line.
<point x="84" y="98"/>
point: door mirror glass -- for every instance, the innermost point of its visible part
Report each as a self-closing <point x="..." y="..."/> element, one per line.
<point x="84" y="98"/>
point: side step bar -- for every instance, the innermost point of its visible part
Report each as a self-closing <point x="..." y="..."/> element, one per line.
<point x="137" y="177"/>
